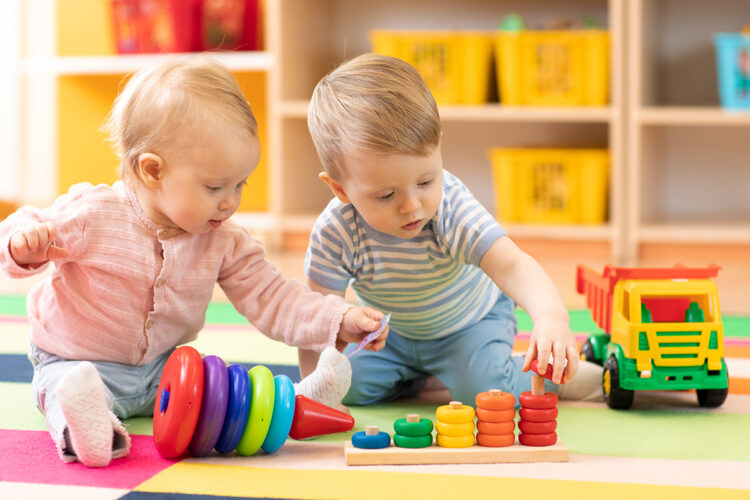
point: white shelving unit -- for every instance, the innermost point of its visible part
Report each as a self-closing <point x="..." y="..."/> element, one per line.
<point x="310" y="38"/>
<point x="687" y="164"/>
<point x="678" y="170"/>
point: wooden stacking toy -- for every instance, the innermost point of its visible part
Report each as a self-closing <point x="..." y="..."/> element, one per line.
<point x="202" y="404"/>
<point x="455" y="425"/>
<point x="495" y="440"/>
<point x="412" y="432"/>
<point x="496" y="413"/>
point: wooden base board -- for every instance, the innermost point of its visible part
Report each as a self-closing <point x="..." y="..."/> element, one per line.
<point x="517" y="453"/>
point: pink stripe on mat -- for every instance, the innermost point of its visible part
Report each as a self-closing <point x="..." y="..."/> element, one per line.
<point x="30" y="457"/>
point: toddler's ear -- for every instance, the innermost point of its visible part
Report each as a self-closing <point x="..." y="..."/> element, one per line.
<point x="150" y="169"/>
<point x="336" y="188"/>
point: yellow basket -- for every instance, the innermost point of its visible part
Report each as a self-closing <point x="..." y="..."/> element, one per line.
<point x="550" y="186"/>
<point x="553" y="68"/>
<point x="456" y="65"/>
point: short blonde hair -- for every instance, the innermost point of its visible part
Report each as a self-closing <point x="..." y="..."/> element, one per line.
<point x="372" y="103"/>
<point x="163" y="97"/>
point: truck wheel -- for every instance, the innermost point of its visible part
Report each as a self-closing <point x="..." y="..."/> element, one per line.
<point x="712" y="398"/>
<point x="616" y="397"/>
<point x="587" y="353"/>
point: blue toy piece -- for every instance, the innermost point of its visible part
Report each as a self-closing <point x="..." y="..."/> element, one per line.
<point x="374" y="440"/>
<point x="283" y="414"/>
<point x="237" y="410"/>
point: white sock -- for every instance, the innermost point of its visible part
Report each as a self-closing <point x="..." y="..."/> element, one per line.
<point x="585" y="386"/>
<point x="91" y="426"/>
<point x="330" y="381"/>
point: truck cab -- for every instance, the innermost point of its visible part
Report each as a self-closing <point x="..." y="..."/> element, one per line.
<point x="663" y="331"/>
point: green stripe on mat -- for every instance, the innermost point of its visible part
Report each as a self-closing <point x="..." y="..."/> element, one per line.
<point x="224" y="313"/>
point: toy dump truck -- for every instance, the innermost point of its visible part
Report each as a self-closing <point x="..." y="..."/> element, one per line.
<point x="662" y="330"/>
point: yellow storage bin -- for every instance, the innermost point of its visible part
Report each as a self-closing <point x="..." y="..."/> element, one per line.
<point x="553" y="68"/>
<point x="456" y="65"/>
<point x="550" y="186"/>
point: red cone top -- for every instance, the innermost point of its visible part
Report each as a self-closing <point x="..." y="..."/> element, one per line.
<point x="315" y="419"/>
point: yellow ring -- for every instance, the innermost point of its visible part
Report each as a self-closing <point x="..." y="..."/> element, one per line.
<point x="261" y="410"/>
<point x="455" y="415"/>
<point x="447" y="429"/>
<point x="466" y="441"/>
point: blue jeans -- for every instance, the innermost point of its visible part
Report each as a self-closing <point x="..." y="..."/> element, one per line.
<point x="470" y="361"/>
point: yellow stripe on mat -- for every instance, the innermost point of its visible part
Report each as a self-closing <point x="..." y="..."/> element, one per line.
<point x="355" y="484"/>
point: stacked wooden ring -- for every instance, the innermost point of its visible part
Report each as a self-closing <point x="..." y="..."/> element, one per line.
<point x="202" y="404"/>
<point x="495" y="418"/>
<point x="372" y="438"/>
<point x="538" y="419"/>
<point x="412" y="432"/>
<point x="455" y="425"/>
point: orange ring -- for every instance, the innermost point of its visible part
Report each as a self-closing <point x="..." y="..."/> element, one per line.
<point x="488" y="401"/>
<point x="496" y="427"/>
<point x="178" y="402"/>
<point x="536" y="415"/>
<point x="537" y="439"/>
<point x="495" y="415"/>
<point x="528" y="427"/>
<point x="496" y="440"/>
<point x="541" y="402"/>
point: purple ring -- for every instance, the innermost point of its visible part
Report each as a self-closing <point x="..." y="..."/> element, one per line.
<point x="213" y="408"/>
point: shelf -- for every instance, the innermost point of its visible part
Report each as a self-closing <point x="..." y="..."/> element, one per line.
<point x="730" y="232"/>
<point x="692" y="116"/>
<point x="565" y="232"/>
<point x="122" y="64"/>
<point x="491" y="113"/>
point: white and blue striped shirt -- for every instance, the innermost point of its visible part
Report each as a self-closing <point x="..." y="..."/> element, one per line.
<point x="431" y="284"/>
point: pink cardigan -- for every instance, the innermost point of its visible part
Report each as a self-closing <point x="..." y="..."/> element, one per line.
<point x="131" y="289"/>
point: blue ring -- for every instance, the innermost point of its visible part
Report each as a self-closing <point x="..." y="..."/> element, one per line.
<point x="237" y="410"/>
<point x="379" y="440"/>
<point x="283" y="414"/>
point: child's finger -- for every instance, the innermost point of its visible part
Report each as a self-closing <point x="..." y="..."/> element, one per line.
<point x="558" y="362"/>
<point x="530" y="355"/>
<point x="32" y="238"/>
<point x="19" y="245"/>
<point x="543" y="350"/>
<point x="572" y="368"/>
<point x="56" y="252"/>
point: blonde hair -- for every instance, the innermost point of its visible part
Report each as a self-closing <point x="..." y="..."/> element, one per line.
<point x="372" y="103"/>
<point x="163" y="97"/>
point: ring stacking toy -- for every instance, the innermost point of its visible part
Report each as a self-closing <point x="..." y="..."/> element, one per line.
<point x="237" y="409"/>
<point x="201" y="405"/>
<point x="283" y="414"/>
<point x="178" y="402"/>
<point x="213" y="406"/>
<point x="372" y="438"/>
<point x="261" y="409"/>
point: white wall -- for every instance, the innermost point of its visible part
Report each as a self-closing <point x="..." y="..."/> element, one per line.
<point x="10" y="98"/>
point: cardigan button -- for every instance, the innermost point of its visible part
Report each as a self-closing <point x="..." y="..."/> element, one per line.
<point x="149" y="323"/>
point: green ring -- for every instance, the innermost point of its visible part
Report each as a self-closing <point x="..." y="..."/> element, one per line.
<point x="261" y="410"/>
<point x="412" y="441"/>
<point x="414" y="429"/>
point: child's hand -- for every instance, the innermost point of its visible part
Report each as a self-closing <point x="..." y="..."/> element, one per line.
<point x="34" y="244"/>
<point x="554" y="337"/>
<point x="358" y="322"/>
